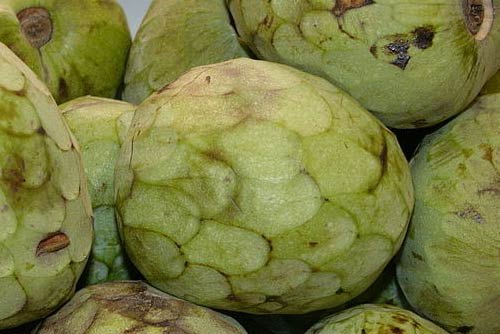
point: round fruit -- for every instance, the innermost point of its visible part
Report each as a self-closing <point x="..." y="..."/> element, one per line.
<point x="252" y="186"/>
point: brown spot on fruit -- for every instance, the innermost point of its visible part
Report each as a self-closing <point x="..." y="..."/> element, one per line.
<point x="423" y="37"/>
<point x="52" y="244"/>
<point x="342" y="6"/>
<point x="478" y="17"/>
<point x="395" y="330"/>
<point x="417" y="256"/>
<point x="208" y="79"/>
<point x="13" y="172"/>
<point x="313" y="244"/>
<point x="488" y="152"/>
<point x="36" y="25"/>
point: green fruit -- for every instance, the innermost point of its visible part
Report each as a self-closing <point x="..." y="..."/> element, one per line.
<point x="77" y="47"/>
<point x="375" y="319"/>
<point x="45" y="212"/>
<point x="252" y="186"/>
<point x="449" y="269"/>
<point x="412" y="63"/>
<point x="133" y="307"/>
<point x="175" y="36"/>
<point x="492" y="86"/>
<point x="385" y="290"/>
<point x="99" y="125"/>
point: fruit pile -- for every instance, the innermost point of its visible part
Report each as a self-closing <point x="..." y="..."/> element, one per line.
<point x="250" y="166"/>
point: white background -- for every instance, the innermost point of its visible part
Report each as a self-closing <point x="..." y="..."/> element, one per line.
<point x="135" y="10"/>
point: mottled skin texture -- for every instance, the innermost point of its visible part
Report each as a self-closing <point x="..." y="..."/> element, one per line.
<point x="99" y="126"/>
<point x="133" y="307"/>
<point x="412" y="63"/>
<point x="375" y="319"/>
<point x="45" y="212"/>
<point x="449" y="268"/>
<point x="80" y="47"/>
<point x="175" y="36"/>
<point x="252" y="186"/>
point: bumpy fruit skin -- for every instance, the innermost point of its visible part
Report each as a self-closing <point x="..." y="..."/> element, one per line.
<point x="77" y="47"/>
<point x="449" y="268"/>
<point x="412" y="63"/>
<point x="252" y="186"/>
<point x="45" y="212"/>
<point x="492" y="86"/>
<point x="130" y="307"/>
<point x="100" y="125"/>
<point x="175" y="36"/>
<point x="375" y="319"/>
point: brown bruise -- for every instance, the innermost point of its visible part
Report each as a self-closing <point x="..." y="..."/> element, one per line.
<point x="342" y="6"/>
<point x="36" y="25"/>
<point x="52" y="244"/>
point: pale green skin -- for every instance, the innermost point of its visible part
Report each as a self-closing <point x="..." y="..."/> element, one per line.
<point x="492" y="86"/>
<point x="88" y="49"/>
<point x="251" y="186"/>
<point x="375" y="319"/>
<point x="43" y="196"/>
<point x="133" y="307"/>
<point x="351" y="51"/>
<point x="175" y="36"/>
<point x="100" y="125"/>
<point x="449" y="269"/>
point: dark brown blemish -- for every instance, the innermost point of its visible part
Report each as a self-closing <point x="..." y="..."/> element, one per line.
<point x="52" y="244"/>
<point x="474" y="15"/>
<point x="395" y="330"/>
<point x="399" y="319"/>
<point x="373" y="50"/>
<point x="313" y="244"/>
<point x="417" y="256"/>
<point x="488" y="152"/>
<point x="464" y="329"/>
<point x="63" y="89"/>
<point x="208" y="79"/>
<point x="36" y="25"/>
<point x="399" y="48"/>
<point x="423" y="37"/>
<point x="342" y="6"/>
<point x="214" y="155"/>
<point x="41" y="131"/>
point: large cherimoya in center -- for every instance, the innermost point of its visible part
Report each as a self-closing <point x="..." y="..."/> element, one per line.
<point x="252" y="186"/>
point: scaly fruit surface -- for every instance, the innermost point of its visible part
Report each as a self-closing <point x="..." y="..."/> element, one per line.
<point x="133" y="307"/>
<point x="412" y="63"/>
<point x="252" y="186"/>
<point x="77" y="47"/>
<point x="99" y="125"/>
<point x="449" y="268"/>
<point x="175" y="36"/>
<point x="45" y="212"/>
<point x="375" y="319"/>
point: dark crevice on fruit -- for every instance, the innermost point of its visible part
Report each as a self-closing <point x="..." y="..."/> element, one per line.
<point x="342" y="6"/>
<point x="63" y="89"/>
<point x="36" y="25"/>
<point x="399" y="48"/>
<point x="478" y="16"/>
<point x="464" y="329"/>
<point x="52" y="244"/>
